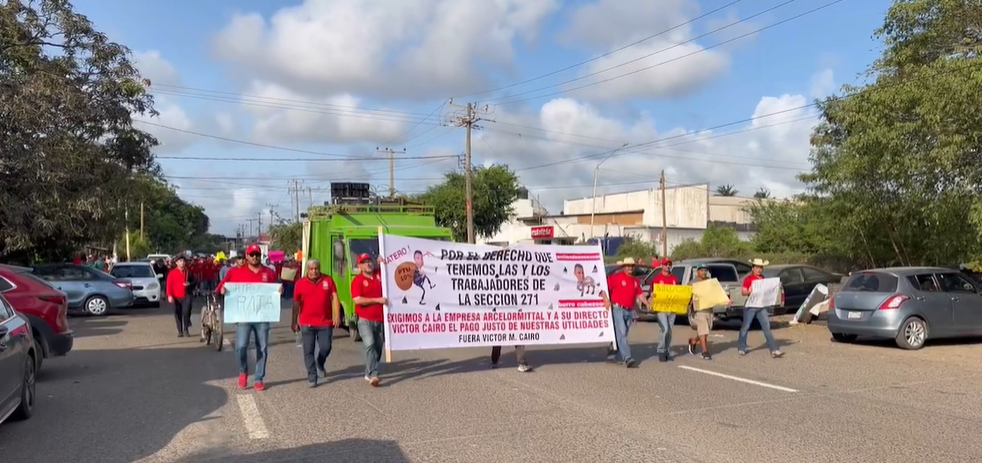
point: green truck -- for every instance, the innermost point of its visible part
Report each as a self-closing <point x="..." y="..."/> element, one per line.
<point x="336" y="234"/>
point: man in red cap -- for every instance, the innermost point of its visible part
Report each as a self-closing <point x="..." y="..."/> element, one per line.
<point x="252" y="272"/>
<point x="366" y="291"/>
<point x="665" y="320"/>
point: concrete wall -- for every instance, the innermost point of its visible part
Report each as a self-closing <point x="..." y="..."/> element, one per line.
<point x="687" y="206"/>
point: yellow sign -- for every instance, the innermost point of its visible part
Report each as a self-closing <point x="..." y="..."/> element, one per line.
<point x="670" y="298"/>
<point x="709" y="293"/>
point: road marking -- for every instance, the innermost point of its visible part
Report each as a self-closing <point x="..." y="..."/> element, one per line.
<point x="250" y="415"/>
<point x="737" y="378"/>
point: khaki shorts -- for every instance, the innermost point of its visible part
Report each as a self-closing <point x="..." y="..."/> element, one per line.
<point x="702" y="322"/>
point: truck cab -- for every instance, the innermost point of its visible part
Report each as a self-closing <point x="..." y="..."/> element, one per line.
<point x="335" y="234"/>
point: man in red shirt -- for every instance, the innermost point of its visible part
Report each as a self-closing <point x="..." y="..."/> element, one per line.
<point x="316" y="310"/>
<point x="366" y="291"/>
<point x="625" y="293"/>
<point x="665" y="320"/>
<point x="178" y="291"/>
<point x="252" y="272"/>
<point x="762" y="314"/>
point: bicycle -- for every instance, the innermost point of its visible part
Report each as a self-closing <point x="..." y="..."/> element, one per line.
<point x="212" y="326"/>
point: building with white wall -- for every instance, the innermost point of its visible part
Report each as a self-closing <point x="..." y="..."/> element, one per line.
<point x="688" y="211"/>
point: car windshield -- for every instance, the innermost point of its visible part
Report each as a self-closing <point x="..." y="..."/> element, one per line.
<point x="133" y="271"/>
<point x="726" y="273"/>
<point x="878" y="282"/>
<point x="359" y="246"/>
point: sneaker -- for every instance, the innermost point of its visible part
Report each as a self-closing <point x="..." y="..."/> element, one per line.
<point x="180" y="335"/>
<point x="524" y="368"/>
<point x="322" y="372"/>
<point x="311" y="384"/>
<point x="663" y="358"/>
<point x="742" y="352"/>
<point x="374" y="382"/>
<point x="368" y="378"/>
<point x="707" y="356"/>
<point x="777" y="354"/>
<point x="243" y="380"/>
<point x="692" y="349"/>
<point x="260" y="386"/>
<point x="494" y="366"/>
<point x="631" y="363"/>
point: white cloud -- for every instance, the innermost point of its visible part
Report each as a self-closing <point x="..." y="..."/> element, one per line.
<point x="170" y="115"/>
<point x="154" y="67"/>
<point x="412" y="49"/>
<point x="823" y="84"/>
<point x="610" y="24"/>
<point x="225" y="122"/>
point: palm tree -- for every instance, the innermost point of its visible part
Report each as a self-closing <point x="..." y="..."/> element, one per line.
<point x="726" y="190"/>
<point x="762" y="193"/>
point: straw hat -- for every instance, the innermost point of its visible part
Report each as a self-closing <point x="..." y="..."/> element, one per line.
<point x="626" y="261"/>
<point x="759" y="263"/>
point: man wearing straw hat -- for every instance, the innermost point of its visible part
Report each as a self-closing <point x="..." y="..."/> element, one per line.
<point x="759" y="313"/>
<point x="625" y="293"/>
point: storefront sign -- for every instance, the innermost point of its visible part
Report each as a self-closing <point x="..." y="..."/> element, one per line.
<point x="542" y="233"/>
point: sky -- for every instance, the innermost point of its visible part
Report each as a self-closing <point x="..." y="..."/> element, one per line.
<point x="256" y="96"/>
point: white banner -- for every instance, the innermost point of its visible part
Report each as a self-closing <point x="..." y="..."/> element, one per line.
<point x="764" y="293"/>
<point x="443" y="294"/>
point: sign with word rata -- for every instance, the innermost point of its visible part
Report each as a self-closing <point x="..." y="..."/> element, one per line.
<point x="252" y="302"/>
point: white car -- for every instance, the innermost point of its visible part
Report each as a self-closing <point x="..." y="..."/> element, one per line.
<point x="146" y="283"/>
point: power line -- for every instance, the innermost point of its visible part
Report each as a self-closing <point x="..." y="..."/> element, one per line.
<point x="609" y="53"/>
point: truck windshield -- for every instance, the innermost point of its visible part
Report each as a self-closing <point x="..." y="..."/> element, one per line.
<point x="357" y="247"/>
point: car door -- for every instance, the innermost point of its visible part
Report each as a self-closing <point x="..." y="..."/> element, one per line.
<point x="12" y="353"/>
<point x="966" y="303"/>
<point x="75" y="281"/>
<point x="932" y="303"/>
<point x="794" y="287"/>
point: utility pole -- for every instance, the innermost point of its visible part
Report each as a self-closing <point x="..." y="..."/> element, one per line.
<point x="468" y="121"/>
<point x="664" y="218"/>
<point x="141" y="221"/>
<point x="251" y="221"/>
<point x="126" y="217"/>
<point x="271" y="207"/>
<point x="259" y="227"/>
<point x="295" y="190"/>
<point x="392" y="168"/>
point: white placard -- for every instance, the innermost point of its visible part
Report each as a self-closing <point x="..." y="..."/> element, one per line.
<point x="443" y="294"/>
<point x="764" y="293"/>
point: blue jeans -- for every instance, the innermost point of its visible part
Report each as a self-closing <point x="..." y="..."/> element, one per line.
<point x="320" y="337"/>
<point x="623" y="318"/>
<point x="373" y="338"/>
<point x="666" y="321"/>
<point x="243" y="331"/>
<point x="763" y="316"/>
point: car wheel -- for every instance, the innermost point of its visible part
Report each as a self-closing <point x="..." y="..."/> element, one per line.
<point x="913" y="334"/>
<point x="842" y="337"/>
<point x="97" y="305"/>
<point x="28" y="393"/>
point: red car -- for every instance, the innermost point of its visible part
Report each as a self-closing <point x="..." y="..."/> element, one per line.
<point x="45" y="308"/>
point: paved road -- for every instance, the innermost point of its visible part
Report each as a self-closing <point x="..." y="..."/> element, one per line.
<point x="131" y="391"/>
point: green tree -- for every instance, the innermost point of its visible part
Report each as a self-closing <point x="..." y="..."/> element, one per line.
<point x="170" y="223"/>
<point x="725" y="190"/>
<point x="286" y="236"/>
<point x="762" y="193"/>
<point x="716" y="241"/>
<point x="67" y="96"/>
<point x="635" y="248"/>
<point x="495" y="188"/>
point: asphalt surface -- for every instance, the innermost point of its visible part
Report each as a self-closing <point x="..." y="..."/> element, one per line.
<point x="133" y="392"/>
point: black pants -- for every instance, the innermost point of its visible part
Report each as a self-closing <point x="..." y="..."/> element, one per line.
<point x="519" y="354"/>
<point x="182" y="313"/>
<point x="322" y="336"/>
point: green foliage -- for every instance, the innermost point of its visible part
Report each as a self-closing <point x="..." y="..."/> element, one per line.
<point x="634" y="247"/>
<point x="725" y="190"/>
<point x="286" y="236"/>
<point x="170" y="223"/>
<point x="495" y="188"/>
<point x="717" y="241"/>
<point x="762" y="193"/>
<point x="139" y="247"/>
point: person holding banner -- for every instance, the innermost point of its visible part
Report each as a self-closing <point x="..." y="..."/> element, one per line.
<point x="625" y="293"/>
<point x="252" y="272"/>
<point x="700" y="320"/>
<point x="666" y="321"/>
<point x="761" y="314"/>
<point x="366" y="291"/>
<point x="316" y="309"/>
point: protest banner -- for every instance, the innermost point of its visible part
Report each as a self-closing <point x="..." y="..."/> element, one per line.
<point x="818" y="294"/>
<point x="707" y="294"/>
<point x="444" y="294"/>
<point x="765" y="293"/>
<point x="671" y="298"/>
<point x="252" y="302"/>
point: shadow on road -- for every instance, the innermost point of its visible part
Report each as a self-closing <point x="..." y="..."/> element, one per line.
<point x="85" y="327"/>
<point x="347" y="451"/>
<point x="117" y="406"/>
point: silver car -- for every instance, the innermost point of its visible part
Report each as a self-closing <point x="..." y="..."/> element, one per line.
<point x="146" y="283"/>
<point x="907" y="304"/>
<point x="89" y="290"/>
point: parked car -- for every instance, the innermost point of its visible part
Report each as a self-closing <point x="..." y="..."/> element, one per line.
<point x="88" y="290"/>
<point x="145" y="282"/>
<point x="45" y="307"/>
<point x="743" y="268"/>
<point x="798" y="281"/>
<point x="907" y="304"/>
<point x="18" y="365"/>
<point x="727" y="275"/>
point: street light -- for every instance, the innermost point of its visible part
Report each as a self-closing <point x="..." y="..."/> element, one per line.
<point x="596" y="175"/>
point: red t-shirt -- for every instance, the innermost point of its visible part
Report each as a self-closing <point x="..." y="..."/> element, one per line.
<point x="245" y="274"/>
<point x="314" y="298"/>
<point x="175" y="283"/>
<point x="363" y="286"/>
<point x="663" y="279"/>
<point x="624" y="289"/>
<point x="750" y="279"/>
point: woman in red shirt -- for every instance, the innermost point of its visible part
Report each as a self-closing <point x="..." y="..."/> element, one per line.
<point x="178" y="288"/>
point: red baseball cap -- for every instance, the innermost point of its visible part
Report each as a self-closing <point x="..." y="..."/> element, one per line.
<point x="666" y="261"/>
<point x="363" y="258"/>
<point x="253" y="248"/>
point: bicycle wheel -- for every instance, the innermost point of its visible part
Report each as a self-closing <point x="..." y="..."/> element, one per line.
<point x="219" y="331"/>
